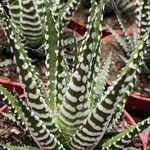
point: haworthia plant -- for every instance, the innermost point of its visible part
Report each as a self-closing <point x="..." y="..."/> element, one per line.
<point x="9" y="147"/>
<point x="28" y="17"/>
<point x="5" y="62"/>
<point x="79" y="83"/>
<point x="126" y="42"/>
<point x="71" y="114"/>
<point x="124" y="137"/>
<point x="123" y="5"/>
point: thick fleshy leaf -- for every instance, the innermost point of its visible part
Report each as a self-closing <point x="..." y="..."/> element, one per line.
<point x="25" y="15"/>
<point x="95" y="46"/>
<point x="39" y="4"/>
<point x="12" y="103"/>
<point x="122" y="25"/>
<point x="95" y="126"/>
<point x="121" y="104"/>
<point x="41" y="135"/>
<point x="15" y="10"/>
<point x="57" y="6"/>
<point x="122" y="42"/>
<point x="120" y="140"/>
<point x="75" y="106"/>
<point x="143" y="24"/>
<point x="140" y="10"/>
<point x="68" y="11"/>
<point x="122" y="5"/>
<point x="55" y="60"/>
<point x="101" y="81"/>
<point x="142" y="16"/>
<point x="50" y="49"/>
<point x="31" y="84"/>
<point x="11" y="147"/>
<point x="62" y="71"/>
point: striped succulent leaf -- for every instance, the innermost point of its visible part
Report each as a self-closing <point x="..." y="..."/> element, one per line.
<point x="93" y="129"/>
<point x="57" y="79"/>
<point x="39" y="4"/>
<point x="64" y="10"/>
<point x="127" y="44"/>
<point x="142" y="20"/>
<point x="56" y="7"/>
<point x="31" y="25"/>
<point x="118" y="141"/>
<point x="29" y="81"/>
<point x="143" y="23"/>
<point x="121" y="104"/>
<point x="123" y="5"/>
<point x="10" y="147"/>
<point x="12" y="102"/>
<point x="62" y="72"/>
<point x="15" y="10"/>
<point x="36" y="127"/>
<point x="95" y="65"/>
<point x="68" y="11"/>
<point x="32" y="28"/>
<point x="122" y="25"/>
<point x="75" y="106"/>
<point x="121" y="41"/>
<point x="29" y="21"/>
<point x="142" y="16"/>
<point x="50" y="49"/>
<point x="101" y="81"/>
<point x="38" y="130"/>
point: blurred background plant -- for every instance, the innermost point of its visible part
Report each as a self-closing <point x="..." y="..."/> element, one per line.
<point x="126" y="41"/>
<point x="28" y="18"/>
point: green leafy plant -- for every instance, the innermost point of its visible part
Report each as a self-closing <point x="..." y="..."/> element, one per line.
<point x="71" y="114"/>
<point x="28" y="17"/>
<point x="127" y="42"/>
<point x="6" y="62"/>
<point x="123" y="5"/>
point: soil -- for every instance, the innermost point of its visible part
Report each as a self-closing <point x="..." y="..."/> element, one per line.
<point x="143" y="82"/>
<point x="111" y="20"/>
<point x="13" y="134"/>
